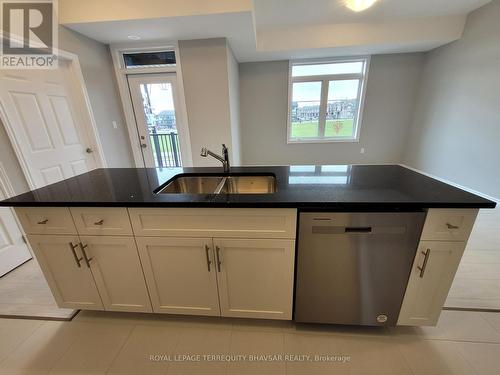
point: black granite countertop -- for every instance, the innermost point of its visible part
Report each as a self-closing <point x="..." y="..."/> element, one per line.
<point x="308" y="187"/>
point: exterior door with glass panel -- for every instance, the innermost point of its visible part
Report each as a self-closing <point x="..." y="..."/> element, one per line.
<point x="154" y="98"/>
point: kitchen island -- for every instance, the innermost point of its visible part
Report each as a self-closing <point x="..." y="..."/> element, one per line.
<point x="107" y="240"/>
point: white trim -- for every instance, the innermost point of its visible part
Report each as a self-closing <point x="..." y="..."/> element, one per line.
<point x="483" y="195"/>
<point x="5" y="183"/>
<point x="8" y="189"/>
<point x="92" y="130"/>
<point x="362" y="77"/>
<point x="90" y="126"/>
<point x="121" y="77"/>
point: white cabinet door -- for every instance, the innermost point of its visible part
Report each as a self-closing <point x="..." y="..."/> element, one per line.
<point x="431" y="277"/>
<point x="180" y="274"/>
<point x="255" y="277"/>
<point x="117" y="271"/>
<point x="70" y="280"/>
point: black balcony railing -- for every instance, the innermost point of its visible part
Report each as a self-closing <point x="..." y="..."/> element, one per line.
<point x="166" y="150"/>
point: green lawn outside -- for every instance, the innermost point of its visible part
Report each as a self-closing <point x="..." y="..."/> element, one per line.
<point x="309" y="129"/>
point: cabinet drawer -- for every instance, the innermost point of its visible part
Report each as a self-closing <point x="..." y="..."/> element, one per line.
<point x="449" y="224"/>
<point x="46" y="220"/>
<point x="101" y="221"/>
<point x="214" y="222"/>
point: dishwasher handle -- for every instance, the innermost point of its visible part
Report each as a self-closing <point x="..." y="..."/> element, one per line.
<point x="358" y="229"/>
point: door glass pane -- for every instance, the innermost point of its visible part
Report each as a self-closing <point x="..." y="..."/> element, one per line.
<point x="342" y="109"/>
<point x="159" y="110"/>
<point x="306" y="98"/>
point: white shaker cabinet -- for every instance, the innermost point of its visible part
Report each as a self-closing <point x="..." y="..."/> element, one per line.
<point x="442" y="244"/>
<point x="115" y="265"/>
<point x="181" y="274"/>
<point x="255" y="277"/>
<point x="64" y="268"/>
<point x="430" y="280"/>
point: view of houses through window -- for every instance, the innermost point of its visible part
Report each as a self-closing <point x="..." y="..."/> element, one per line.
<point x="159" y="110"/>
<point x="326" y="100"/>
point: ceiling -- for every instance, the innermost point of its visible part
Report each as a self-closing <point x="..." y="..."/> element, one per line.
<point x="278" y="29"/>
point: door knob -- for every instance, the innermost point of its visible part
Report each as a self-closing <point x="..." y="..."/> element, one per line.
<point x="143" y="145"/>
<point x="89" y="150"/>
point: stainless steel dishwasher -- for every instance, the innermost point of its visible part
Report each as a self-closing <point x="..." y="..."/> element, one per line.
<point x="352" y="268"/>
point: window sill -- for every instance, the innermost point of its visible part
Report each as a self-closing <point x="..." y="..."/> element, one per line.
<point x="322" y="140"/>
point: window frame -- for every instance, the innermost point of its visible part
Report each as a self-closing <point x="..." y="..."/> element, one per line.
<point x="325" y="79"/>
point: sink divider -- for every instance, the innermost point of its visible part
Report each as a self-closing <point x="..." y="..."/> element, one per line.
<point x="220" y="186"/>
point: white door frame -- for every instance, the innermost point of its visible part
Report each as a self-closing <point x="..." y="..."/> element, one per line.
<point x="121" y="73"/>
<point x="8" y="189"/>
<point x="90" y="126"/>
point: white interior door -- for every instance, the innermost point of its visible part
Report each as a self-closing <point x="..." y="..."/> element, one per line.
<point x="45" y="121"/>
<point x="13" y="249"/>
<point x="160" y="128"/>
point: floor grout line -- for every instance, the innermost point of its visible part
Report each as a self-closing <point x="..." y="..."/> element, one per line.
<point x="132" y="329"/>
<point x="20" y="343"/>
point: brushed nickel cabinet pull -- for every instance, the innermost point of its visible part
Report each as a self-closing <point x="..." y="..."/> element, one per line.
<point x="209" y="262"/>
<point x="85" y="257"/>
<point x="219" y="262"/>
<point x="100" y="222"/>
<point x="45" y="221"/>
<point x="451" y="226"/>
<point x="77" y="260"/>
<point x="424" y="265"/>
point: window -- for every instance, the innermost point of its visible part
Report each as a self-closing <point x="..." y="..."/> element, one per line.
<point x="149" y="59"/>
<point x="326" y="100"/>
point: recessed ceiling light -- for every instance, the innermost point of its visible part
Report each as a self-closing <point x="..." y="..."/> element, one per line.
<point x="134" y="37"/>
<point x="359" y="5"/>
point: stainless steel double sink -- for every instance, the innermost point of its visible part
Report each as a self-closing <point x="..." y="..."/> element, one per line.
<point x="220" y="184"/>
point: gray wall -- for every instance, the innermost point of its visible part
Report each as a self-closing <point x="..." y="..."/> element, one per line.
<point x="98" y="73"/>
<point x="389" y="105"/>
<point x="234" y="105"/>
<point x="206" y="90"/>
<point x="456" y="129"/>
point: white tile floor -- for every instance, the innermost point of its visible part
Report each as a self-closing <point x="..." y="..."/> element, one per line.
<point x="24" y="292"/>
<point x="477" y="282"/>
<point x="121" y="343"/>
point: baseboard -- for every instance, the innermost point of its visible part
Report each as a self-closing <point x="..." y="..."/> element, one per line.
<point x="452" y="183"/>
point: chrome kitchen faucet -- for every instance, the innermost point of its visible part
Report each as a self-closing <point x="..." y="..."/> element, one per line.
<point x="224" y="159"/>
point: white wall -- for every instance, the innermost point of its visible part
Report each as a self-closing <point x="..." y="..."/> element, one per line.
<point x="98" y="74"/>
<point x="76" y="11"/>
<point x="206" y="78"/>
<point x="456" y="129"/>
<point x="390" y="96"/>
